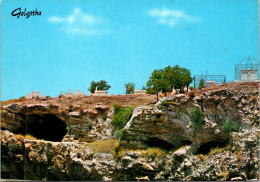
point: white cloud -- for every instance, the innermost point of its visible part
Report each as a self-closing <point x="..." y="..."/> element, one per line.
<point x="80" y="23"/>
<point x="171" y="17"/>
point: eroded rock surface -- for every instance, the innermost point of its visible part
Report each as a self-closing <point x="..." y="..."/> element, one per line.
<point x="169" y="123"/>
<point x="161" y="141"/>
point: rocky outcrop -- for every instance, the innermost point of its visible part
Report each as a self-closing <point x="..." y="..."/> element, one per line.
<point x="86" y="118"/>
<point x="161" y="143"/>
<point x="87" y="125"/>
<point x="45" y="160"/>
<point x="167" y="124"/>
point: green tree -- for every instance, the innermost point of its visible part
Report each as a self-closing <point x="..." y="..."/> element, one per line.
<point x="156" y="83"/>
<point x="129" y="88"/>
<point x="165" y="79"/>
<point x="101" y="85"/>
<point x="178" y="77"/>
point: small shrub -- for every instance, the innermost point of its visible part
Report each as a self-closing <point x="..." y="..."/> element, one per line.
<point x="120" y="134"/>
<point x="167" y="103"/>
<point x="164" y="103"/>
<point x="22" y="98"/>
<point x="117" y="108"/>
<point x="197" y="117"/>
<point x="224" y="83"/>
<point x="229" y="126"/>
<point x="12" y="146"/>
<point x="121" y="116"/>
<point x="201" y="84"/>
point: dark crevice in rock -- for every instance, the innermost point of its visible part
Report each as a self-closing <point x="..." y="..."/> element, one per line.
<point x="206" y="147"/>
<point x="186" y="142"/>
<point x="47" y="126"/>
<point x="156" y="142"/>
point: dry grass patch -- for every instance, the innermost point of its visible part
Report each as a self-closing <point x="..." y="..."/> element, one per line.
<point x="154" y="151"/>
<point x="201" y="157"/>
<point x="217" y="150"/>
<point x="150" y="152"/>
<point x="19" y="136"/>
<point x="121" y="151"/>
<point x="27" y="136"/>
<point x="4" y="103"/>
<point x="30" y="137"/>
<point x="105" y="146"/>
<point x="224" y="173"/>
<point x="239" y="157"/>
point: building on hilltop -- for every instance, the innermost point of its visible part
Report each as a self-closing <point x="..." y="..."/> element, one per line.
<point x="77" y="93"/>
<point x="247" y="70"/>
<point x="210" y="83"/>
<point x="98" y="92"/>
<point x="69" y="93"/>
<point x="34" y="95"/>
<point x="139" y="92"/>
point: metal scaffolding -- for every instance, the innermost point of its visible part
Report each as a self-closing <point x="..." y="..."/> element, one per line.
<point x="247" y="64"/>
<point x="217" y="78"/>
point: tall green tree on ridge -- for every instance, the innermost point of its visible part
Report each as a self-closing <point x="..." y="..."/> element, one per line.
<point x="100" y="85"/>
<point x="129" y="88"/>
<point x="165" y="79"/>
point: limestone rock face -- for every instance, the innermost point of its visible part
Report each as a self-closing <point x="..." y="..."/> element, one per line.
<point x="169" y="122"/>
<point x="86" y="125"/>
<point x="45" y="160"/>
<point x="161" y="142"/>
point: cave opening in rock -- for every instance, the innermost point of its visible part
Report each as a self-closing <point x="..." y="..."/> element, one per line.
<point x="206" y="147"/>
<point x="47" y="126"/>
<point x="156" y="142"/>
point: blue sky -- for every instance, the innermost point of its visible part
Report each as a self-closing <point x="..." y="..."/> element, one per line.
<point x="75" y="42"/>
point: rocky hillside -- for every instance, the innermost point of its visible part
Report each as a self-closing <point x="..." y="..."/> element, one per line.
<point x="66" y="118"/>
<point x="210" y="134"/>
